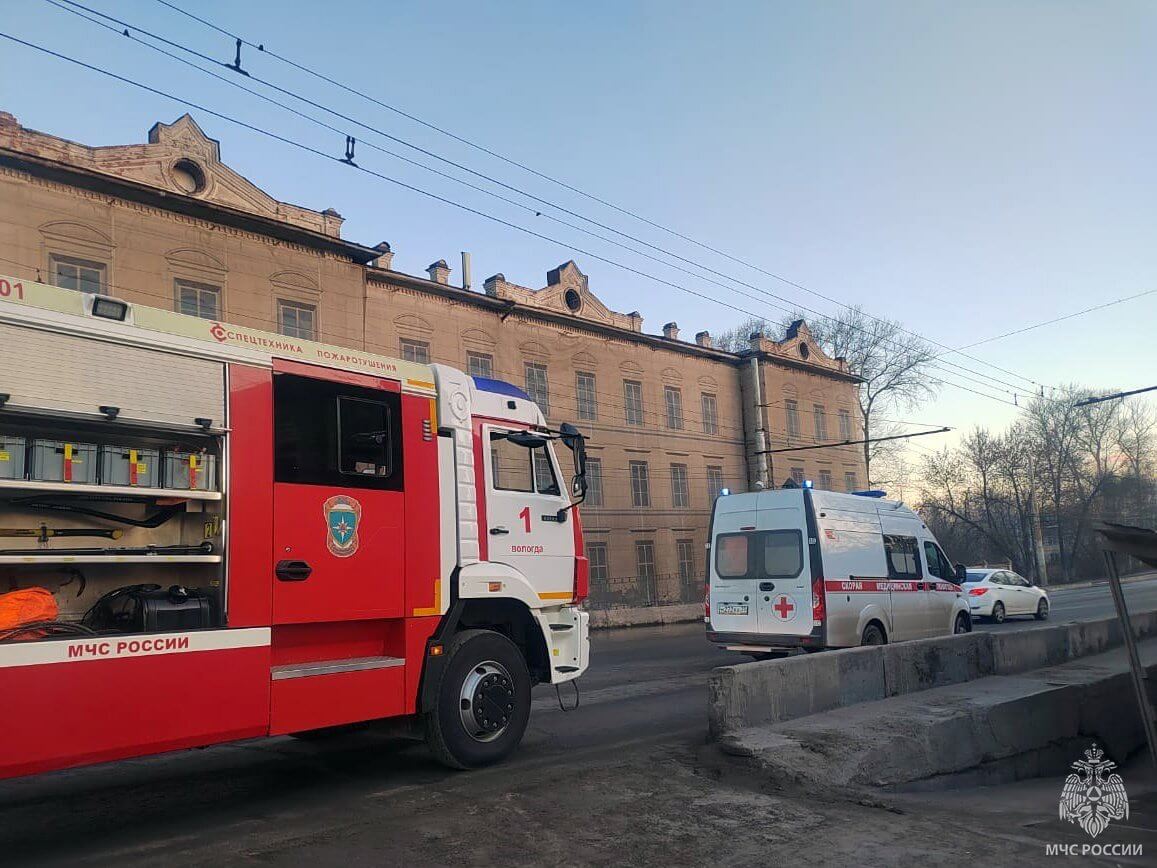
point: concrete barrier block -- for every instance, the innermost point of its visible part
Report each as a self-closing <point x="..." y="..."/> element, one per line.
<point x="1092" y="637"/>
<point x="1021" y="650"/>
<point x="927" y="663"/>
<point x="770" y="691"/>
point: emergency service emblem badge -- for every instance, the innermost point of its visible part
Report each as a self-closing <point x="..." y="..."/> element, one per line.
<point x="342" y="516"/>
<point x="1092" y="797"/>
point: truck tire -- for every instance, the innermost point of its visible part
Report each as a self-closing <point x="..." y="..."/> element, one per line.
<point x="482" y="702"/>
<point x="873" y="635"/>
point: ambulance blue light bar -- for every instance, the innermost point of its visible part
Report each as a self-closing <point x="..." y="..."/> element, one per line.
<point x="875" y="492"/>
<point x="499" y="387"/>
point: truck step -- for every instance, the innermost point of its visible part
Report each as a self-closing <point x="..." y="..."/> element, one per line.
<point x="559" y="628"/>
<point x="566" y="669"/>
<point x="331" y="667"/>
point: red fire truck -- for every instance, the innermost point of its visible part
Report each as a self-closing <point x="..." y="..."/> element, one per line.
<point x="211" y="533"/>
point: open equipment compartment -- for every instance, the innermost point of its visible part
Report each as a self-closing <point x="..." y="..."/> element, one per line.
<point x="112" y="488"/>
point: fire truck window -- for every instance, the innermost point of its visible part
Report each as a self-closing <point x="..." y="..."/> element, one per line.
<point x="731" y="555"/>
<point x="328" y="433"/>
<point x="511" y="464"/>
<point x="901" y="554"/>
<point x="544" y="478"/>
<point x="365" y="437"/>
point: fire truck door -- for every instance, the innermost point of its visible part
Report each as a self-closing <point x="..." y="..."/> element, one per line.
<point x="338" y="516"/>
<point x="524" y="493"/>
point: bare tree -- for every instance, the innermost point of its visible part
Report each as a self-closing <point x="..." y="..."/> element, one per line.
<point x="894" y="364"/>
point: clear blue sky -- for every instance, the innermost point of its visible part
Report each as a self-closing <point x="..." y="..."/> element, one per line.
<point x="965" y="167"/>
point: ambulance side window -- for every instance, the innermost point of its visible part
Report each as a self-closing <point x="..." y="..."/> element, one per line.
<point x="935" y="567"/>
<point x="902" y="556"/>
<point x="327" y="433"/>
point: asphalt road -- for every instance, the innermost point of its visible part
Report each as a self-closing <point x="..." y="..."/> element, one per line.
<point x="272" y="800"/>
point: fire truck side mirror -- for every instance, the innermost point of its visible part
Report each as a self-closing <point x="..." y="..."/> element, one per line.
<point x="573" y="440"/>
<point x="526" y="439"/>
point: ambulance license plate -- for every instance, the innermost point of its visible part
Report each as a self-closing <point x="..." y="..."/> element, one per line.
<point x="732" y="609"/>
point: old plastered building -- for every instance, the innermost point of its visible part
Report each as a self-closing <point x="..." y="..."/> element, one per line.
<point x="671" y="421"/>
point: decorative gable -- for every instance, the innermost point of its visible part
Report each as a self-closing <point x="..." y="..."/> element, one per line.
<point x="567" y="291"/>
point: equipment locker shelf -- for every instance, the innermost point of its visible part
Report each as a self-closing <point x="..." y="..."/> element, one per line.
<point x="118" y="490"/>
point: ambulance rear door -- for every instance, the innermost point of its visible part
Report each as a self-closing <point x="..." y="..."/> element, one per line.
<point x="778" y="564"/>
<point x="733" y="591"/>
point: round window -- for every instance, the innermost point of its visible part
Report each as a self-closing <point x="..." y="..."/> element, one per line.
<point x="574" y="301"/>
<point x="188" y="177"/>
<point x="804" y="351"/>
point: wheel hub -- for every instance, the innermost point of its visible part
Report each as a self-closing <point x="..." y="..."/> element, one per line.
<point x="487" y="702"/>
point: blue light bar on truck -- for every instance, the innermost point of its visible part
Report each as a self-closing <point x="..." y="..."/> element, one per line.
<point x="875" y="492"/>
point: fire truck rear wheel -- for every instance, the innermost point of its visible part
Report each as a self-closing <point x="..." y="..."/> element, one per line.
<point x="483" y="701"/>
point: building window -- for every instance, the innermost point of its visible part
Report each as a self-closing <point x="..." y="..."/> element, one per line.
<point x="685" y="551"/>
<point x="710" y="414"/>
<point x="826" y="480"/>
<point x="640" y="484"/>
<point x="198" y="299"/>
<point x="597" y="561"/>
<point x="594" y="482"/>
<point x="674" y="400"/>
<point x="633" y="401"/>
<point x="791" y="407"/>
<point x="850" y="481"/>
<point x="845" y="425"/>
<point x="797" y="475"/>
<point x="680" y="496"/>
<point x="79" y="274"/>
<point x="480" y="365"/>
<point x="297" y="320"/>
<point x="714" y="483"/>
<point x="821" y="421"/>
<point x="645" y="559"/>
<point x="584" y="387"/>
<point x="415" y="351"/>
<point x="537" y="387"/>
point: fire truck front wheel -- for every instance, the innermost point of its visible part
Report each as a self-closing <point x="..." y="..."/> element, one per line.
<point x="483" y="701"/>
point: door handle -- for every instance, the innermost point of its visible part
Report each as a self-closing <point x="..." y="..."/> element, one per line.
<point x="293" y="571"/>
<point x="496" y="531"/>
<point x="767" y="586"/>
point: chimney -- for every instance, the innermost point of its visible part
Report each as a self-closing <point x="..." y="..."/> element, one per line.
<point x="636" y="319"/>
<point x="671" y="331"/>
<point x="439" y="271"/>
<point x="385" y="256"/>
<point x="465" y="271"/>
<point x="491" y="283"/>
<point x="755" y="340"/>
<point x="704" y="339"/>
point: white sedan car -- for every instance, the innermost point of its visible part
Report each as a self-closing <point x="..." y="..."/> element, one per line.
<point x="998" y="594"/>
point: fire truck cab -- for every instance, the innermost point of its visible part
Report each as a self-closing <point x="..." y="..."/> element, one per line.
<point x="211" y="533"/>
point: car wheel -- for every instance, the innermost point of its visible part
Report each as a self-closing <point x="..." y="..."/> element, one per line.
<point x="483" y="701"/>
<point x="1042" y="610"/>
<point x="998" y="612"/>
<point x="873" y="635"/>
<point x="963" y="624"/>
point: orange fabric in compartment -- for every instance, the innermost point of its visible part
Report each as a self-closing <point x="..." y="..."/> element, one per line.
<point x="27" y="606"/>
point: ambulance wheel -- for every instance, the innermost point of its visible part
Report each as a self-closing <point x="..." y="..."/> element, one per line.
<point x="873" y="635"/>
<point x="483" y="701"/>
<point x="998" y="612"/>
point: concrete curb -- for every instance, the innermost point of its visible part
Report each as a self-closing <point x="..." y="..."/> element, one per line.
<point x="645" y="616"/>
<point x="766" y="692"/>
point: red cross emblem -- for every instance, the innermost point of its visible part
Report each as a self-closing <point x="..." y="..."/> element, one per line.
<point x="784" y="608"/>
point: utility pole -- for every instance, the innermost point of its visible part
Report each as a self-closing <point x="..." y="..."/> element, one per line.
<point x="1038" y="543"/>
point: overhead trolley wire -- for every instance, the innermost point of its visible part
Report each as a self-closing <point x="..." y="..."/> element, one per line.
<point x="791" y="306"/>
<point x="404" y="185"/>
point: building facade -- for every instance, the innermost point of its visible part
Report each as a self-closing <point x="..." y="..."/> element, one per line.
<point x="670" y="422"/>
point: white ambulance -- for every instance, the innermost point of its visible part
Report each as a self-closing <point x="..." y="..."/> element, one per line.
<point x="800" y="568"/>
